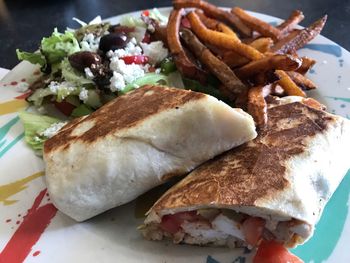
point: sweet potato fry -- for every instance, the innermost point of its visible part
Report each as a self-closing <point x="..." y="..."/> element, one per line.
<point x="232" y="59"/>
<point x="215" y="25"/>
<point x="283" y="62"/>
<point x="220" y="39"/>
<point x="257" y="106"/>
<point x="217" y="13"/>
<point x="288" y="25"/>
<point x="314" y="104"/>
<point x="300" y="39"/>
<point x="288" y="85"/>
<point x="215" y="65"/>
<point x="183" y="63"/>
<point x="256" y="24"/>
<point x="302" y="81"/>
<point x="306" y="65"/>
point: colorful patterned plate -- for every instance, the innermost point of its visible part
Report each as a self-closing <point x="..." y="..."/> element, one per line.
<point x="32" y="230"/>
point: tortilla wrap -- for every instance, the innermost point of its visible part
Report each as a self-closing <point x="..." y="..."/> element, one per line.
<point x="281" y="181"/>
<point x="135" y="143"/>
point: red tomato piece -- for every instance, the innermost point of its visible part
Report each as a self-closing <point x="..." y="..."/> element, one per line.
<point x="145" y="13"/>
<point x="138" y="59"/>
<point x="172" y="223"/>
<point x="253" y="228"/>
<point x="274" y="252"/>
<point x="65" y="107"/>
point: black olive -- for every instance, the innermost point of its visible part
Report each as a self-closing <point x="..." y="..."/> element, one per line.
<point x="84" y="59"/>
<point x="113" y="41"/>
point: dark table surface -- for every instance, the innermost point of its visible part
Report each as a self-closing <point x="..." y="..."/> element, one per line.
<point x="23" y="23"/>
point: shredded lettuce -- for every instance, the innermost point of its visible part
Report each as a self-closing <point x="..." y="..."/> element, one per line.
<point x="81" y="110"/>
<point x="34" y="125"/>
<point x="131" y="21"/>
<point x="156" y="15"/>
<point x="149" y="78"/>
<point x="58" y="46"/>
<point x="34" y="58"/>
<point x="72" y="75"/>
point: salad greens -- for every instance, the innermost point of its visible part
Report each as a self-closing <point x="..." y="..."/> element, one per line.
<point x="34" y="126"/>
<point x="78" y="84"/>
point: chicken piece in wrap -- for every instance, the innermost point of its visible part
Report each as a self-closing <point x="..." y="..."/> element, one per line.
<point x="136" y="142"/>
<point x="273" y="188"/>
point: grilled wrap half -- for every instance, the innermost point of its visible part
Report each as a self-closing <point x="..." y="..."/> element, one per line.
<point x="136" y="142"/>
<point x="274" y="187"/>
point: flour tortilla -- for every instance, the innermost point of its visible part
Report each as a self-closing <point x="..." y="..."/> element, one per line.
<point x="135" y="143"/>
<point x="288" y="172"/>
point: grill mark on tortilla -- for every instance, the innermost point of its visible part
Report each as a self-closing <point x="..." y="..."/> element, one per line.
<point x="123" y="112"/>
<point x="253" y="171"/>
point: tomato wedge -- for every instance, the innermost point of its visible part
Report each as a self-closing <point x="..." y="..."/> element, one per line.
<point x="172" y="223"/>
<point x="274" y="252"/>
<point x="65" y="107"/>
<point x="138" y="59"/>
<point x="253" y="228"/>
<point x="145" y="13"/>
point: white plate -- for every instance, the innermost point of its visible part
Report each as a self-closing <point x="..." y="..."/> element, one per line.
<point x="112" y="236"/>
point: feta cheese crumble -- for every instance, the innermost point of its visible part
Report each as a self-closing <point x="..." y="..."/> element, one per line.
<point x="65" y="88"/>
<point x="53" y="129"/>
<point x="124" y="74"/>
<point x="90" y="43"/>
<point x="88" y="73"/>
<point x="84" y="95"/>
<point x="155" y="51"/>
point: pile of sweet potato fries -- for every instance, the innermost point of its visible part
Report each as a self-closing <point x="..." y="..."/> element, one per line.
<point x="251" y="58"/>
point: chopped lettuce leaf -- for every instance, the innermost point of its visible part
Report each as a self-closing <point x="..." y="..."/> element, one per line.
<point x="81" y="110"/>
<point x="58" y="46"/>
<point x="149" y="78"/>
<point x="34" y="58"/>
<point x="93" y="99"/>
<point x="34" y="125"/>
<point x="38" y="96"/>
<point x="131" y="21"/>
<point x="156" y="15"/>
<point x="62" y="91"/>
<point x="72" y="75"/>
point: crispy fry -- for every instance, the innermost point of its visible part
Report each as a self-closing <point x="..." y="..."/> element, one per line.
<point x="215" y="24"/>
<point x="297" y="40"/>
<point x="283" y="62"/>
<point x="288" y="85"/>
<point x="301" y="80"/>
<point x="256" y="24"/>
<point x="257" y="106"/>
<point x="183" y="63"/>
<point x="232" y="59"/>
<point x="215" y="65"/>
<point x="217" y="13"/>
<point x="288" y="25"/>
<point x="221" y="40"/>
<point x="306" y="65"/>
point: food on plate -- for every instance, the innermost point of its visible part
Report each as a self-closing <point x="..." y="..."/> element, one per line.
<point x="136" y="142"/>
<point x="183" y="62"/>
<point x="288" y="85"/>
<point x="83" y="69"/>
<point x="271" y="189"/>
<point x="215" y="65"/>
